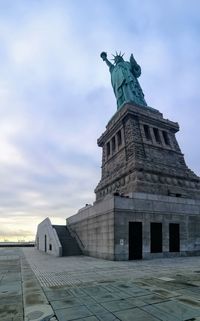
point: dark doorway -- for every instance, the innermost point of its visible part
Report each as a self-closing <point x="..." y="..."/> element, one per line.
<point x="156" y="237"/>
<point x="38" y="243"/>
<point x="45" y="243"/>
<point x="135" y="240"/>
<point x="174" y="237"/>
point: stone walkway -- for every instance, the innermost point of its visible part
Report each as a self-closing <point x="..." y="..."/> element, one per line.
<point x="21" y="296"/>
<point x="37" y="287"/>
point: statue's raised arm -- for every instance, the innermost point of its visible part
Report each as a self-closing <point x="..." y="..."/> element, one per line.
<point x="124" y="81"/>
<point x="103" y="55"/>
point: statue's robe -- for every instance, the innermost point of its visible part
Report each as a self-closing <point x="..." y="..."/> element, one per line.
<point x="125" y="84"/>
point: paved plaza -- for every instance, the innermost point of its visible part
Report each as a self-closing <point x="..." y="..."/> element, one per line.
<point x="37" y="287"/>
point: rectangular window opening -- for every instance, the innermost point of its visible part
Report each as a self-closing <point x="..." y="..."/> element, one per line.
<point x="147" y="132"/>
<point x="108" y="148"/>
<point x="156" y="237"/>
<point x="119" y="138"/>
<point x="166" y="137"/>
<point x="157" y="135"/>
<point x="113" y="144"/>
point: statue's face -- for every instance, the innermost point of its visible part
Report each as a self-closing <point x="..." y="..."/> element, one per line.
<point x="118" y="59"/>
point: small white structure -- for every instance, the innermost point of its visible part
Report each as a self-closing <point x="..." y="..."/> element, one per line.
<point x="47" y="239"/>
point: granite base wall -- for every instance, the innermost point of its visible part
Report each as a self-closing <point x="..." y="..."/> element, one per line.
<point x="93" y="226"/>
<point x="104" y="227"/>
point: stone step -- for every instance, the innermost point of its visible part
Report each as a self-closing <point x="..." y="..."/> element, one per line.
<point x="69" y="244"/>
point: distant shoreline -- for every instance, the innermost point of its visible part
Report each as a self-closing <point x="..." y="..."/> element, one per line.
<point x="17" y="244"/>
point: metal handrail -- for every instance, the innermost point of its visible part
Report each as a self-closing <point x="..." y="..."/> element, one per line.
<point x="80" y="242"/>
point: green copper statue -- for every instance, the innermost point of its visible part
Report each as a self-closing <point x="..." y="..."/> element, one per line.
<point x="124" y="81"/>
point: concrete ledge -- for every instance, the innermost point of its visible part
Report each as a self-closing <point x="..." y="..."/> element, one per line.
<point x="98" y="208"/>
<point x="144" y="202"/>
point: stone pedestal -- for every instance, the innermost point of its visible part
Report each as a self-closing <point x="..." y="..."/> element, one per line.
<point x="141" y="154"/>
<point x="147" y="201"/>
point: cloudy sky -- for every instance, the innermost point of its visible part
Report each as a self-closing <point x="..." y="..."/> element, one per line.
<point x="56" y="96"/>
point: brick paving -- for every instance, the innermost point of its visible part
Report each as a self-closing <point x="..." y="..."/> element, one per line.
<point x="37" y="287"/>
<point x="21" y="295"/>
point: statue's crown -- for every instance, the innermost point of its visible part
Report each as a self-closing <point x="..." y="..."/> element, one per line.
<point x="117" y="56"/>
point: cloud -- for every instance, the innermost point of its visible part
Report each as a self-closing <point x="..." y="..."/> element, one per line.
<point x="56" y="96"/>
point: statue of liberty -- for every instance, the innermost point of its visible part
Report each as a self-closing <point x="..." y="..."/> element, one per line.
<point x="124" y="81"/>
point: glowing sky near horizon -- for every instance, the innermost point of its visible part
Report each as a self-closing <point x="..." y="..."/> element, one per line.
<point x="56" y="96"/>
